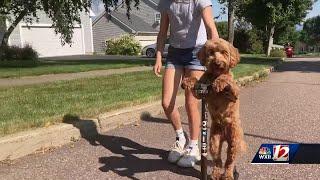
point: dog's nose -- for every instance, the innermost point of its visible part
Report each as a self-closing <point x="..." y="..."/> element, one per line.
<point x="220" y="64"/>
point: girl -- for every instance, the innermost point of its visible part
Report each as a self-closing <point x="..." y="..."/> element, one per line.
<point x="191" y="24"/>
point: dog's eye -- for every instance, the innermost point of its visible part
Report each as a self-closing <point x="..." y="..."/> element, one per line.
<point x="210" y="53"/>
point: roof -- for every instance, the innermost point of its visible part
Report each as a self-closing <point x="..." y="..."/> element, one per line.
<point x="91" y="13"/>
<point x="155" y="1"/>
<point x="135" y="23"/>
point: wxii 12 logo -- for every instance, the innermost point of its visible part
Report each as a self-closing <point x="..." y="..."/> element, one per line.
<point x="281" y="152"/>
<point x="275" y="153"/>
<point x="264" y="153"/>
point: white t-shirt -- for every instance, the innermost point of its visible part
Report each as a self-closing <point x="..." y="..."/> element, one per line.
<point x="187" y="29"/>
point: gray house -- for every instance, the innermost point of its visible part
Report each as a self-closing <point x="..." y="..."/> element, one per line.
<point x="41" y="36"/>
<point x="143" y="24"/>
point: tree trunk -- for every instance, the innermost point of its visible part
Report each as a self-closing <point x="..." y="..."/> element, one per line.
<point x="231" y="21"/>
<point x="270" y="40"/>
<point x="11" y="28"/>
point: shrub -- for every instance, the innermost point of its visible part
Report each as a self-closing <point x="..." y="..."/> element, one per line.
<point x="13" y="53"/>
<point x="255" y="42"/>
<point x="302" y="52"/>
<point x="28" y="53"/>
<point x="248" y="41"/>
<point x="277" y="53"/>
<point x="125" y="45"/>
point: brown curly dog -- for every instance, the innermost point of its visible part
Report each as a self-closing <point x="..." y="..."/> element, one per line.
<point x="219" y="57"/>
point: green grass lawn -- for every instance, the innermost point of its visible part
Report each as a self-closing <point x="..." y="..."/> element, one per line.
<point x="250" y="65"/>
<point x="34" y="106"/>
<point x="25" y="68"/>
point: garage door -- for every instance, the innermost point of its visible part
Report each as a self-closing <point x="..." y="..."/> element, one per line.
<point x="47" y="43"/>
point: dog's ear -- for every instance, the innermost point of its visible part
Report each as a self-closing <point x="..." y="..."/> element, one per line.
<point x="234" y="56"/>
<point x="202" y="54"/>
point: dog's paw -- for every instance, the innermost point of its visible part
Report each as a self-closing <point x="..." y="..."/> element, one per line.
<point x="220" y="84"/>
<point x="228" y="175"/>
<point x="216" y="174"/>
<point x="225" y="177"/>
<point x="189" y="83"/>
<point x="230" y="93"/>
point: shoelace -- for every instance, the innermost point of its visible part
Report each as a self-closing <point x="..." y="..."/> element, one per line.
<point x="188" y="151"/>
<point x="176" y="145"/>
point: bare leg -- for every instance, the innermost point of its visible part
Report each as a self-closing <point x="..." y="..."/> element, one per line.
<point x="170" y="85"/>
<point x="192" y="106"/>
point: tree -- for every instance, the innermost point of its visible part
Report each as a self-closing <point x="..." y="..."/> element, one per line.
<point x="272" y="14"/>
<point x="246" y="38"/>
<point x="311" y="28"/>
<point x="232" y="6"/>
<point x="287" y="34"/>
<point x="63" y="13"/>
<point x="222" y="28"/>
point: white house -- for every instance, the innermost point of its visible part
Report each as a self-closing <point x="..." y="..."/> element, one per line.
<point x="41" y="36"/>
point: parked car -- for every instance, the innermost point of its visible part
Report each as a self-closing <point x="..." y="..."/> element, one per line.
<point x="150" y="50"/>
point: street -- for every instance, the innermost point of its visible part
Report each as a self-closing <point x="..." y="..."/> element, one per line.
<point x="282" y="109"/>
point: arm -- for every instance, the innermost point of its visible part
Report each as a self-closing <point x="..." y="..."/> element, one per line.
<point x="209" y="23"/>
<point x="161" y="39"/>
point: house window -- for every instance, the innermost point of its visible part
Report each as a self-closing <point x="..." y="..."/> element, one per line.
<point x="157" y="17"/>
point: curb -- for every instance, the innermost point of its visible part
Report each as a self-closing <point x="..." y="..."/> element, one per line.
<point x="256" y="76"/>
<point x="28" y="142"/>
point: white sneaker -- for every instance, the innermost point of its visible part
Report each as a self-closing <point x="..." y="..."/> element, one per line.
<point x="176" y="152"/>
<point x="190" y="157"/>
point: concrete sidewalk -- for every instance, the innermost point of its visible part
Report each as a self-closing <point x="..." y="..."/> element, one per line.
<point x="97" y="57"/>
<point x="29" y="80"/>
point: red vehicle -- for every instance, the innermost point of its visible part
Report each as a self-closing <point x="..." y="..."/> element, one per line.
<point x="289" y="51"/>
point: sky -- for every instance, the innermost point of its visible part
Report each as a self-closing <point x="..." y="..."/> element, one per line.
<point x="315" y="11"/>
<point x="217" y="10"/>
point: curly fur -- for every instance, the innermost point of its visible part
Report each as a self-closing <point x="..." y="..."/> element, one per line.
<point x="219" y="57"/>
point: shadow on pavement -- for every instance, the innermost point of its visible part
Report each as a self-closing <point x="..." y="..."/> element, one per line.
<point x="269" y="138"/>
<point x="302" y="66"/>
<point x="148" y="118"/>
<point x="125" y="159"/>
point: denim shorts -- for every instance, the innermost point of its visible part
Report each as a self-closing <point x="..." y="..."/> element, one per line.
<point x="183" y="58"/>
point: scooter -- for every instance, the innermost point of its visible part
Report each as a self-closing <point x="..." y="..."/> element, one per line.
<point x="203" y="90"/>
<point x="289" y="52"/>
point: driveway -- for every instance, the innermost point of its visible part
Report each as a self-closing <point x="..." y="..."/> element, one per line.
<point x="282" y="109"/>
